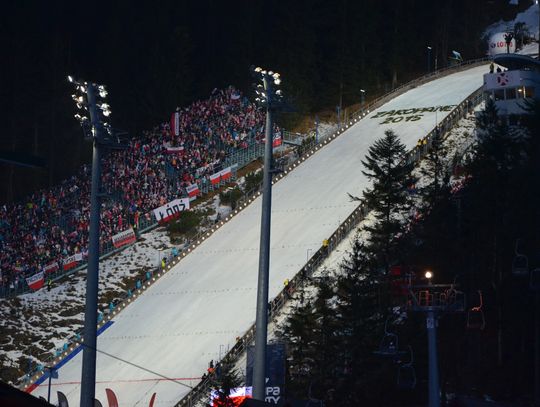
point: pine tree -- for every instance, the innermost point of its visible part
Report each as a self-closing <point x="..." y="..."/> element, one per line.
<point x="434" y="170"/>
<point x="388" y="198"/>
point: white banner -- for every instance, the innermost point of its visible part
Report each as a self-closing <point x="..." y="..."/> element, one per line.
<point x="503" y="79"/>
<point x="124" y="238"/>
<point x="172" y="209"/>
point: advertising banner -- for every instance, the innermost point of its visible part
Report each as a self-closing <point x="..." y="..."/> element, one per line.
<point x="71" y="261"/>
<point x="124" y="238"/>
<point x="275" y="371"/>
<point x="36" y="281"/>
<point x="167" y="212"/>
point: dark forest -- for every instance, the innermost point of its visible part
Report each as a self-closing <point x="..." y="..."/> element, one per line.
<point x="154" y="57"/>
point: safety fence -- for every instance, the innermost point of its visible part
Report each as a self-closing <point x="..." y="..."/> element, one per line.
<point x="302" y="277"/>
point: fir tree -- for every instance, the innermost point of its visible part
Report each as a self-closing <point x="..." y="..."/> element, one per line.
<point x="388" y="198"/>
<point x="434" y="170"/>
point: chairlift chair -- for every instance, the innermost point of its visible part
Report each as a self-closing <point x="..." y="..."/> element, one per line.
<point x="475" y="316"/>
<point x="389" y="344"/>
<point x="406" y="379"/>
<point x="520" y="264"/>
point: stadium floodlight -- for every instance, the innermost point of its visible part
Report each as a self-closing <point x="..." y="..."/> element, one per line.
<point x="93" y="120"/>
<point x="268" y="96"/>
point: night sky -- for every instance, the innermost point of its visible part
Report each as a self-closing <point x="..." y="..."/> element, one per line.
<point x="155" y="56"/>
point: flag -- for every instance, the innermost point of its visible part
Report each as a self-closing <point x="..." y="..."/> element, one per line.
<point x="276" y="142"/>
<point x="51" y="267"/>
<point x="174" y="150"/>
<point x="36" y="281"/>
<point x="193" y="191"/>
<point x="222" y="175"/>
<point x="71" y="261"/>
<point x="235" y="398"/>
<point x="124" y="238"/>
<point x="175" y="124"/>
<point x="171" y="210"/>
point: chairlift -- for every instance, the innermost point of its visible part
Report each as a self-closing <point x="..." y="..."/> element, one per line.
<point x="475" y="316"/>
<point x="406" y="379"/>
<point x="455" y="300"/>
<point x="389" y="344"/>
<point x="534" y="279"/>
<point x="520" y="264"/>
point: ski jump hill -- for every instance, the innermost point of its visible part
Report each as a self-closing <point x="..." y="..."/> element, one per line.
<point x="162" y="340"/>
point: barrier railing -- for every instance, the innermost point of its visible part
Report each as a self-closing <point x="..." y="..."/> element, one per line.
<point x="301" y="276"/>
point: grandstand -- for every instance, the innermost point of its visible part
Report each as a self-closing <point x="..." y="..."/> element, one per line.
<point x="48" y="232"/>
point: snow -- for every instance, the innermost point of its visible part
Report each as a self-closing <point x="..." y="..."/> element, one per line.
<point x="529" y="17"/>
<point x="208" y="299"/>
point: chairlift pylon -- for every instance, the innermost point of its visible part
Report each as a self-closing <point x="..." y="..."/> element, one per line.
<point x="520" y="264"/>
<point x="406" y="379"/>
<point x="475" y="316"/>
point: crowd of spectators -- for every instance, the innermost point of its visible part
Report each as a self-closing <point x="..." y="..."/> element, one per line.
<point x="156" y="167"/>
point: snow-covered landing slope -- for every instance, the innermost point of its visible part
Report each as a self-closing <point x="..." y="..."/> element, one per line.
<point x="208" y="299"/>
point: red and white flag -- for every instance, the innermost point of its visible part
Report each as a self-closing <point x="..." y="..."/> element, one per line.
<point x="36" y="281"/>
<point x="171" y="210"/>
<point x="174" y="150"/>
<point x="175" y="124"/>
<point x="51" y="267"/>
<point x="124" y="238"/>
<point x="193" y="191"/>
<point x="222" y="175"/>
<point x="276" y="142"/>
<point x="235" y="398"/>
<point x="71" y="261"/>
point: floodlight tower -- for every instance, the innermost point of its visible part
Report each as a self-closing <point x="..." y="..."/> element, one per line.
<point x="269" y="97"/>
<point x="91" y="102"/>
<point x="434" y="300"/>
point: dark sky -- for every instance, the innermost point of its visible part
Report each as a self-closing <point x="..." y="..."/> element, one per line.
<point x="154" y="56"/>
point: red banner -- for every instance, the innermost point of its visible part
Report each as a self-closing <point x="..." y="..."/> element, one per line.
<point x="51" y="267"/>
<point x="36" y="281"/>
<point x="276" y="142"/>
<point x="222" y="175"/>
<point x="124" y="238"/>
<point x="193" y="191"/>
<point x="71" y="261"/>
